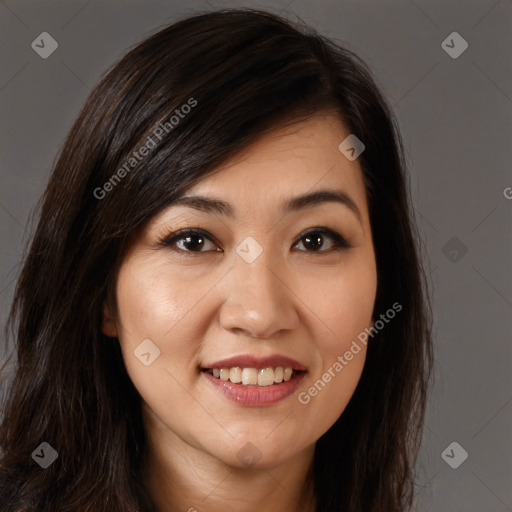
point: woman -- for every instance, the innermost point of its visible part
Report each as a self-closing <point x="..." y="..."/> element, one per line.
<point x="223" y="305"/>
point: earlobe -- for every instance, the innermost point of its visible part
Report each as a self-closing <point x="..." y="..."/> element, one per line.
<point x="108" y="324"/>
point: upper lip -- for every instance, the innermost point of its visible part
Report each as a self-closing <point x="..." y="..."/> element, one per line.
<point x="249" y="361"/>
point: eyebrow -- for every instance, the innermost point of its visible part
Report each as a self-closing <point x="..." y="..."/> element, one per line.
<point x="308" y="200"/>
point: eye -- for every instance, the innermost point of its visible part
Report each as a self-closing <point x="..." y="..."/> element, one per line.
<point x="314" y="239"/>
<point x="190" y="240"/>
<point x="197" y="240"/>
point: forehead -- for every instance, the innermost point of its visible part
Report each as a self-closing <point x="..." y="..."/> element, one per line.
<point x="286" y="162"/>
<point x="304" y="152"/>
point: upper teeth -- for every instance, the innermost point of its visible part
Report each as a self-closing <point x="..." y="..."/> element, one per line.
<point x="252" y="376"/>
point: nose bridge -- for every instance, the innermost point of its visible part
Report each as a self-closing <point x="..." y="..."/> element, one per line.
<point x="257" y="299"/>
<point x="259" y="278"/>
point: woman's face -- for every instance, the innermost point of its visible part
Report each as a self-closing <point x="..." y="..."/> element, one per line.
<point x="274" y="282"/>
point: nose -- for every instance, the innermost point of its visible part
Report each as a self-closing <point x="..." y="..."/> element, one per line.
<point x="259" y="302"/>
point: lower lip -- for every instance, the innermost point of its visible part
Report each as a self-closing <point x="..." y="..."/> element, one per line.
<point x="256" y="396"/>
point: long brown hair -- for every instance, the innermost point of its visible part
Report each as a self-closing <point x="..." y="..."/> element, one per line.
<point x="246" y="70"/>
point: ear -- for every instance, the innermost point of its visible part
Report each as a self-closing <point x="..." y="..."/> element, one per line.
<point x="108" y="324"/>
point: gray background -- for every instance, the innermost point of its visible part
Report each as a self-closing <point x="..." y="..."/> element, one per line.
<point x="455" y="116"/>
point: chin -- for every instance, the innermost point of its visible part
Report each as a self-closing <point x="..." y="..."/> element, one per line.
<point x="256" y="452"/>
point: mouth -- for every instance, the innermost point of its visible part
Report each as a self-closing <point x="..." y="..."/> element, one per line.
<point x="254" y="382"/>
<point x="267" y="376"/>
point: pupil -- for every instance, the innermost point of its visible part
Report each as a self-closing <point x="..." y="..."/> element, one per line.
<point x="190" y="244"/>
<point x="315" y="242"/>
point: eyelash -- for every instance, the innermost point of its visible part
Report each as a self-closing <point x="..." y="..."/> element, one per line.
<point x="339" y="242"/>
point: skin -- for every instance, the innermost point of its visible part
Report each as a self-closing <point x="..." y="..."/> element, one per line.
<point x="204" y="306"/>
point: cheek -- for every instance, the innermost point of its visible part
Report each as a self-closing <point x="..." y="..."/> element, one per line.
<point x="343" y="307"/>
<point x="341" y="357"/>
<point x="156" y="301"/>
<point x="326" y="396"/>
<point x="155" y="304"/>
<point x="342" y="301"/>
<point x="147" y="300"/>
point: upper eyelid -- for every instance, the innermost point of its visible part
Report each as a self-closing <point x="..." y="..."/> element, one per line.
<point x="182" y="233"/>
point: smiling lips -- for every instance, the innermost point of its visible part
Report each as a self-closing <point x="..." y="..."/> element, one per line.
<point x="253" y="381"/>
